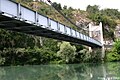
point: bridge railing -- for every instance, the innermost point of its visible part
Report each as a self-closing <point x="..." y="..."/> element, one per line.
<point x="13" y="9"/>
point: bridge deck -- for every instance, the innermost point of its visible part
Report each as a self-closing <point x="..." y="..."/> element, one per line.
<point x="16" y="17"/>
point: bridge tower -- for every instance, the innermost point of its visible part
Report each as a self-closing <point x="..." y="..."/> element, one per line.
<point x="96" y="32"/>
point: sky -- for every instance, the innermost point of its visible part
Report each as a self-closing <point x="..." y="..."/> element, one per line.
<point x="82" y="4"/>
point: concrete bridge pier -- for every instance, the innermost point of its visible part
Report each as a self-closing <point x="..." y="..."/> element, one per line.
<point x="98" y="52"/>
<point x="103" y="53"/>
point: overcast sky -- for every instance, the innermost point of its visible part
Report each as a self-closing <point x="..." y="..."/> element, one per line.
<point x="82" y="4"/>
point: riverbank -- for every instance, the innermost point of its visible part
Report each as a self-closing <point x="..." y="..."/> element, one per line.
<point x="37" y="56"/>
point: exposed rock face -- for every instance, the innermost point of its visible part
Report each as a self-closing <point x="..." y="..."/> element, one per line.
<point x="81" y="19"/>
<point x="117" y="31"/>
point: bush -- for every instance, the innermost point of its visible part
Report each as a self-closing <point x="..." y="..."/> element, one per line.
<point x="67" y="52"/>
<point x="22" y="56"/>
<point x="114" y="54"/>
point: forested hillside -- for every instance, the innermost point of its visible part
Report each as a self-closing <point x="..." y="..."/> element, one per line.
<point x="20" y="49"/>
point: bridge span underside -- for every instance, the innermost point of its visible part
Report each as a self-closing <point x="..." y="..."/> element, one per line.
<point x="39" y="25"/>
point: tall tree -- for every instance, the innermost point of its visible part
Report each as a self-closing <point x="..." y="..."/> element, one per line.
<point x="57" y="6"/>
<point x="92" y="9"/>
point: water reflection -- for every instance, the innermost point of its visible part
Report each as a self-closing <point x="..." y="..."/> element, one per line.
<point x="108" y="71"/>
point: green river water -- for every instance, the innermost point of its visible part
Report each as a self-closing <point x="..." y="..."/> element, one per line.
<point x="83" y="71"/>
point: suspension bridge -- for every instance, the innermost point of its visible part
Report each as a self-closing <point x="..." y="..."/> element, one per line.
<point x="16" y="17"/>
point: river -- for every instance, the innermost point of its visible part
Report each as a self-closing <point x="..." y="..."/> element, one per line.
<point x="83" y="71"/>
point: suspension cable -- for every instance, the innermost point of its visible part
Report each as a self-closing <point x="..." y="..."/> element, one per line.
<point x="64" y="15"/>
